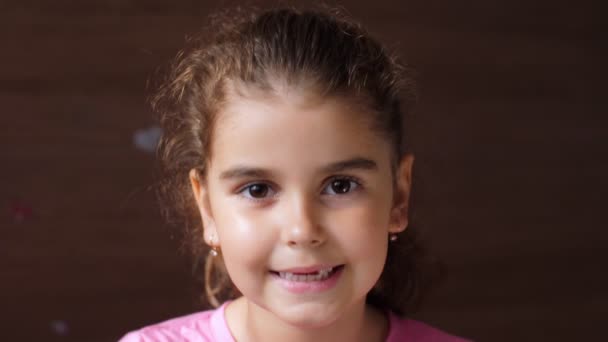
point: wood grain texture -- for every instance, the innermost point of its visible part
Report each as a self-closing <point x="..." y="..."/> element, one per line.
<point x="510" y="138"/>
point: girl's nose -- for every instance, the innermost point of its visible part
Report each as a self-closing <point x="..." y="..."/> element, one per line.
<point x="302" y="228"/>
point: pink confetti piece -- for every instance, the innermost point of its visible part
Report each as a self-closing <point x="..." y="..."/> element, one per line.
<point x="20" y="211"/>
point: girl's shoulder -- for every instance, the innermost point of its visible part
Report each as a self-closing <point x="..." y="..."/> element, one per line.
<point x="204" y="326"/>
<point x="405" y="329"/>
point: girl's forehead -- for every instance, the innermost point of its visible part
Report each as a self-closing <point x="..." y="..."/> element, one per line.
<point x="277" y="90"/>
<point x="293" y="112"/>
<point x="293" y="130"/>
<point x="292" y="102"/>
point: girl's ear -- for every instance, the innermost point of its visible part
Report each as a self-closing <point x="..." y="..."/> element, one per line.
<point x="201" y="195"/>
<point x="403" y="185"/>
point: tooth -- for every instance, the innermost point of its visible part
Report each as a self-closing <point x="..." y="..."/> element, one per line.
<point x="321" y="274"/>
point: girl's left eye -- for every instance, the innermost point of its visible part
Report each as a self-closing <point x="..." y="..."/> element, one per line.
<point x="341" y="186"/>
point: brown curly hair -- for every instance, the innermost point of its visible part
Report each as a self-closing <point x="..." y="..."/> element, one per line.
<point x="322" y="48"/>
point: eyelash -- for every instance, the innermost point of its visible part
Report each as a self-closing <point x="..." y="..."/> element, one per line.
<point x="358" y="186"/>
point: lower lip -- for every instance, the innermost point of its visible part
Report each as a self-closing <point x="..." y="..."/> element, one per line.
<point x="309" y="286"/>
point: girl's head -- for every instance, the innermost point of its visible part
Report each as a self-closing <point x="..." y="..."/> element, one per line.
<point x="283" y="131"/>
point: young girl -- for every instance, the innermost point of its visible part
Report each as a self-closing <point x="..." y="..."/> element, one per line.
<point x="283" y="151"/>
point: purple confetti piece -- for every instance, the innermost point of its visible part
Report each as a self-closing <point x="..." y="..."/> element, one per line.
<point x="146" y="139"/>
<point x="60" y="327"/>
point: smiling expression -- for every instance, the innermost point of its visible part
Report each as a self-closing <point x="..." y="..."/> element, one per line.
<point x="298" y="195"/>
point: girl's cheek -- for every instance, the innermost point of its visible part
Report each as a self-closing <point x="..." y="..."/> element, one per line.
<point x="366" y="215"/>
<point x="359" y="227"/>
<point x="245" y="235"/>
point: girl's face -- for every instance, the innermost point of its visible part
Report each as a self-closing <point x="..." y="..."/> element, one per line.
<point x="300" y="185"/>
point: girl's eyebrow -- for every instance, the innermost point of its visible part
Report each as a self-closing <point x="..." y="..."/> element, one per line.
<point x="350" y="164"/>
<point x="339" y="166"/>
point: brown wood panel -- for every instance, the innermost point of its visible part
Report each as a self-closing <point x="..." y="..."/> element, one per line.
<point x="510" y="172"/>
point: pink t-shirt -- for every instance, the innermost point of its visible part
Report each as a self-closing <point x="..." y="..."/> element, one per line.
<point x="210" y="326"/>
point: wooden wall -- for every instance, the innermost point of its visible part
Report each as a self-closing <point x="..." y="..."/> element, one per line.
<point x="511" y="164"/>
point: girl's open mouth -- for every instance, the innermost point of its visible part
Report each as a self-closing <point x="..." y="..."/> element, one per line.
<point x="315" y="281"/>
<point x="319" y="275"/>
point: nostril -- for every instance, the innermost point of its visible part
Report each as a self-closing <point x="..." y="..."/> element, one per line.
<point x="313" y="243"/>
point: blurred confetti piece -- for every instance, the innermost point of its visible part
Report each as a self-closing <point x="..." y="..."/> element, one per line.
<point x="20" y="211"/>
<point x="146" y="139"/>
<point x="59" y="327"/>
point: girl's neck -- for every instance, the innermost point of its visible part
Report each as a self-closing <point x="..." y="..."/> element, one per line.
<point x="248" y="323"/>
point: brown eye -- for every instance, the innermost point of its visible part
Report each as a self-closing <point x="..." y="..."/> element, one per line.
<point x="257" y="190"/>
<point x="341" y="186"/>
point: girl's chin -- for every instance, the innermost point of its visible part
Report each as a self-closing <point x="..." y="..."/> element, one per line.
<point x="308" y="315"/>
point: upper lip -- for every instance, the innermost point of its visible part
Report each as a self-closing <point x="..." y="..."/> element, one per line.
<point x="308" y="269"/>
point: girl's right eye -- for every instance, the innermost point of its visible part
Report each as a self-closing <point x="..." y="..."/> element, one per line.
<point x="256" y="191"/>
